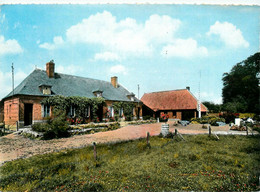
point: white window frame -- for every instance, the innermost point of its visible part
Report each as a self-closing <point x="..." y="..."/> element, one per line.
<point x="72" y="112"/>
<point x="46" y="110"/>
<point x="121" y="112"/>
<point x="111" y="111"/>
<point x="87" y="111"/>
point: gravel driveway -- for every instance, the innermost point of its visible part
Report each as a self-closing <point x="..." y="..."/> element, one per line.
<point x="15" y="146"/>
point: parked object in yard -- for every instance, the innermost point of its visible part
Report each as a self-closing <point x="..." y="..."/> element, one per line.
<point x="220" y="123"/>
<point x="250" y="120"/>
<point x="238" y="128"/>
<point x="237" y="121"/>
<point x="173" y="121"/>
<point x="184" y="123"/>
<point x="165" y="129"/>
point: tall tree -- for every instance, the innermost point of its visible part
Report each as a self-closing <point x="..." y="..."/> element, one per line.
<point x="240" y="86"/>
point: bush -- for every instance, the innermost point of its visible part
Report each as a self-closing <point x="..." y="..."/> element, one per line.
<point x="229" y="117"/>
<point x="40" y="127"/>
<point x="54" y="128"/>
<point x="246" y="115"/>
<point x="212" y="120"/>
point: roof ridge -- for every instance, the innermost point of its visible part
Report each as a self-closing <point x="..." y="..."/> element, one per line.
<point x="166" y="91"/>
<point x="74" y="75"/>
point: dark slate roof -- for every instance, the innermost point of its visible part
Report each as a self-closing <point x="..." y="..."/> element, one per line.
<point x="69" y="85"/>
<point x="171" y="100"/>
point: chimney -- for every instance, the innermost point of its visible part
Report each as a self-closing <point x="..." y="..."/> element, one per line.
<point x="50" y="69"/>
<point x="114" y="81"/>
<point x="188" y="88"/>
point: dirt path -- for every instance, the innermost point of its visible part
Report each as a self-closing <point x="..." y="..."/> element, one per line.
<point x="14" y="146"/>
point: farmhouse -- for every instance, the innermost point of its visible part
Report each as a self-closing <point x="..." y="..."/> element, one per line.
<point x="180" y="104"/>
<point x="24" y="104"/>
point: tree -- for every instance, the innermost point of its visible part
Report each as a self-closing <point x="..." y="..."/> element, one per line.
<point x="212" y="107"/>
<point x="240" y="86"/>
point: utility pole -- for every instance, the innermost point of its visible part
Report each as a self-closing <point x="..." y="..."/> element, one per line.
<point x="138" y="90"/>
<point x="199" y="107"/>
<point x="13" y="78"/>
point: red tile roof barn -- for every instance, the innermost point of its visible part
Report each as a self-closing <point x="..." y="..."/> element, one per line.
<point x="171" y="100"/>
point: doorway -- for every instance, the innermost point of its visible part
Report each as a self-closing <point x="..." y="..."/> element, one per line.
<point x="28" y="108"/>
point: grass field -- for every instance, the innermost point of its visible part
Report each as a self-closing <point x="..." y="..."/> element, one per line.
<point x="200" y="163"/>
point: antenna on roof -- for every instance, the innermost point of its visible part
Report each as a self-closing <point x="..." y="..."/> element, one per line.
<point x="199" y="107"/>
<point x="13" y="77"/>
<point x="138" y="90"/>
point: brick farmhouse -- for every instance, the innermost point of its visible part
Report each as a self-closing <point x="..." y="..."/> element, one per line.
<point x="179" y="104"/>
<point x="24" y="104"/>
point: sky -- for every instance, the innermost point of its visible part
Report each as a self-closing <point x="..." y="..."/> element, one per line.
<point x="158" y="47"/>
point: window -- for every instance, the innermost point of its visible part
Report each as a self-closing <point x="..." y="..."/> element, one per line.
<point x="121" y="112"/>
<point x="45" y="110"/>
<point x="111" y="111"/>
<point x="87" y="111"/>
<point x="72" y="111"/>
<point x="99" y="95"/>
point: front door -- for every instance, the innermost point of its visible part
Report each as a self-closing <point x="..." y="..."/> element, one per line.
<point x="28" y="108"/>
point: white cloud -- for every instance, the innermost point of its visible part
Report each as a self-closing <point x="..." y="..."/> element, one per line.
<point x="184" y="48"/>
<point x="124" y="36"/>
<point x="10" y="46"/>
<point x="118" y="69"/>
<point x="57" y="42"/>
<point x="107" y="56"/>
<point x="70" y="69"/>
<point x="229" y="34"/>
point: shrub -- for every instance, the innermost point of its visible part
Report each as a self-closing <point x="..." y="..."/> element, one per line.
<point x="40" y="127"/>
<point x="207" y="119"/>
<point x="229" y="117"/>
<point x="246" y="115"/>
<point x="56" y="127"/>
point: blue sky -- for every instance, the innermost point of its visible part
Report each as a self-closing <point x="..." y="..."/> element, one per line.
<point x="159" y="47"/>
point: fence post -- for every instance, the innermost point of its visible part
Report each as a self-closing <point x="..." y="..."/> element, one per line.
<point x="95" y="151"/>
<point x="209" y="131"/>
<point x="246" y="130"/>
<point x="147" y="139"/>
<point x="17" y="125"/>
<point x="176" y="132"/>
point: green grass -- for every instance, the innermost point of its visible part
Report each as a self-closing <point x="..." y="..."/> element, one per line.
<point x="200" y="164"/>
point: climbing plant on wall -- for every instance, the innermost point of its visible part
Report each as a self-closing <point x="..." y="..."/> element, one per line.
<point x="127" y="109"/>
<point x="80" y="104"/>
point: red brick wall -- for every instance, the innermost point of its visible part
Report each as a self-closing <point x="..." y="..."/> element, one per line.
<point x="14" y="109"/>
<point x="11" y="111"/>
<point x="1" y="111"/>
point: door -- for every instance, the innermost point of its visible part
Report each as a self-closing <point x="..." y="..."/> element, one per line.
<point x="28" y="109"/>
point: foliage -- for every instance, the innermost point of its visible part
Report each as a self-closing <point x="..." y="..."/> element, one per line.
<point x="212" y="107"/>
<point x="229" y="117"/>
<point x="80" y="104"/>
<point x="55" y="127"/>
<point x="127" y="110"/>
<point x="199" y="164"/>
<point x="207" y="119"/>
<point x="241" y="91"/>
<point x="139" y="122"/>
<point x="246" y="115"/>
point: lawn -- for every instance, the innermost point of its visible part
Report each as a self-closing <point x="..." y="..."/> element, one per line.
<point x="200" y="163"/>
